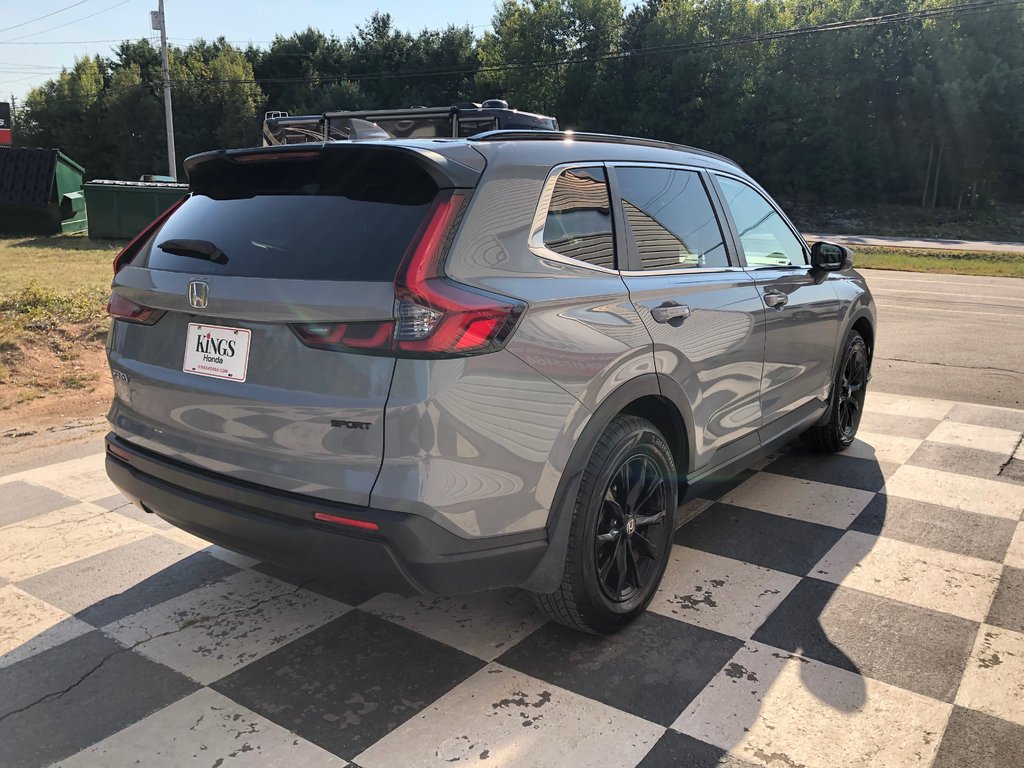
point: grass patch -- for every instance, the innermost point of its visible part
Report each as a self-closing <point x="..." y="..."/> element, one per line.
<point x="940" y="262"/>
<point x="997" y="222"/>
<point x="65" y="263"/>
<point x="28" y="395"/>
<point x="78" y="380"/>
<point x="38" y="308"/>
<point x="8" y="338"/>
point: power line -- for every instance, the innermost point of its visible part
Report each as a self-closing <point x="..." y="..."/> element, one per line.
<point x="962" y="9"/>
<point x="866" y="22"/>
<point x="20" y="80"/>
<point x="45" y="16"/>
<point x="27" y="64"/>
<point x="64" y="42"/>
<point x="68" y="24"/>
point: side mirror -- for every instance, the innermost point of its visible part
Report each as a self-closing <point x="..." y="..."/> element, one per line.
<point x="829" y="257"/>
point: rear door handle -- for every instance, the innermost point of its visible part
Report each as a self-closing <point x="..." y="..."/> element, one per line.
<point x="670" y="311"/>
<point x="775" y="299"/>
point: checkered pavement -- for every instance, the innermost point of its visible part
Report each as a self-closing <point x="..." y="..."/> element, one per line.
<point x="822" y="612"/>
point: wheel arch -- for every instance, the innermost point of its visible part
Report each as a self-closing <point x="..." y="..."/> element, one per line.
<point x="652" y="396"/>
<point x="862" y="325"/>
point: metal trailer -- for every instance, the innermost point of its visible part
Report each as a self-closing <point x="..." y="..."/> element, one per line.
<point x="459" y="120"/>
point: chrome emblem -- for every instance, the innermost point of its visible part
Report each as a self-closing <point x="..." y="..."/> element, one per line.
<point x="631" y="526"/>
<point x="198" y="294"/>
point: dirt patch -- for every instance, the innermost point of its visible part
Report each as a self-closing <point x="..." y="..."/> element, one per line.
<point x="52" y="382"/>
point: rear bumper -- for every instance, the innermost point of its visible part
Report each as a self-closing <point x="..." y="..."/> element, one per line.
<point x="407" y="553"/>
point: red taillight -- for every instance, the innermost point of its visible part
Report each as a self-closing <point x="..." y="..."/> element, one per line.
<point x="364" y="525"/>
<point x="129" y="251"/>
<point x="123" y="309"/>
<point x="433" y="316"/>
<point x="346" y="335"/>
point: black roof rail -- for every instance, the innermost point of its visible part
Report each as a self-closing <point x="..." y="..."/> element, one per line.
<point x="609" y="138"/>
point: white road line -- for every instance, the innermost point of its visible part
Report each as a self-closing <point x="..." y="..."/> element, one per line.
<point x="916" y="308"/>
<point x="961" y="283"/>
<point x="961" y="295"/>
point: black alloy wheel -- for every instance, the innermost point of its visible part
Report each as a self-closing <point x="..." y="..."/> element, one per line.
<point x="847" y="403"/>
<point x="852" y="389"/>
<point x="633" y="511"/>
<point x="621" y="529"/>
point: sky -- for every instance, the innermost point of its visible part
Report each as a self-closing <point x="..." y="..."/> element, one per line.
<point x="32" y="53"/>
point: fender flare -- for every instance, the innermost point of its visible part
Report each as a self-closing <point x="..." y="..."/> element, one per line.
<point x="861" y="312"/>
<point x="548" y="574"/>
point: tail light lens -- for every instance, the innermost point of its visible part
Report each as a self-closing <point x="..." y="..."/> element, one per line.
<point x="129" y="251"/>
<point x="121" y="308"/>
<point x="434" y="316"/>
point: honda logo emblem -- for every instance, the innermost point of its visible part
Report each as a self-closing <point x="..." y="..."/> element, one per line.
<point x="198" y="294"/>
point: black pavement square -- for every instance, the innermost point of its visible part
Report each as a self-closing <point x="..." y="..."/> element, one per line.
<point x="936" y="527"/>
<point x="898" y="426"/>
<point x="913" y="648"/>
<point x="343" y="591"/>
<point x="112" y="502"/>
<point x="349" y="683"/>
<point x="121" y="505"/>
<point x="24" y="500"/>
<point x="725" y="485"/>
<point x="653" y="668"/>
<point x="1012" y="471"/>
<point x="958" y="459"/>
<point x="846" y="471"/>
<point x="677" y="750"/>
<point x="771" y="541"/>
<point x="976" y="740"/>
<point x="983" y="416"/>
<point x="62" y="700"/>
<point x="1007" y="609"/>
<point x="127" y="579"/>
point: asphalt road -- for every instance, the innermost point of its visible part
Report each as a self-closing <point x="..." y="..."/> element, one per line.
<point x="953" y="337"/>
<point x="922" y="242"/>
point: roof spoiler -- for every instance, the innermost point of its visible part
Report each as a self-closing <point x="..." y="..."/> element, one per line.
<point x="214" y="173"/>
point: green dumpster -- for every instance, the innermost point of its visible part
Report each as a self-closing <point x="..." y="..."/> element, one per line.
<point x="40" y="192"/>
<point x="121" y="209"/>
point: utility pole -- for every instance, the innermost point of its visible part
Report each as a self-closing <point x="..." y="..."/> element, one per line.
<point x="159" y="22"/>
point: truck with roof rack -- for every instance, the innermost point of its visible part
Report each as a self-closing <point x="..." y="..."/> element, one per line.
<point x="457" y="121"/>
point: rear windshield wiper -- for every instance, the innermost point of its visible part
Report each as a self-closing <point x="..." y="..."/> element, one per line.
<point x="197" y="249"/>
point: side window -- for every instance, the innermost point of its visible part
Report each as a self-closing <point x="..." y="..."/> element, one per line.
<point x="671" y="218"/>
<point x="579" y="220"/>
<point x="767" y="240"/>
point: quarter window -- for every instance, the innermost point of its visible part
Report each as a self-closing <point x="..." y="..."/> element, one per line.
<point x="579" y="219"/>
<point x="671" y="218"/>
<point x="767" y="239"/>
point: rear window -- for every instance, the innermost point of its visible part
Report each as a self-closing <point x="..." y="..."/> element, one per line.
<point x="350" y="224"/>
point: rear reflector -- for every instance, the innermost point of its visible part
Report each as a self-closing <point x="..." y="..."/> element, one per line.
<point x="364" y="525"/>
<point x="122" y="454"/>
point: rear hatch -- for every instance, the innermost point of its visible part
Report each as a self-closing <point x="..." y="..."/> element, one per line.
<point x="252" y="325"/>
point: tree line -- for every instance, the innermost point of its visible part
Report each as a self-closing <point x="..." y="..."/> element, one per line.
<point x="928" y="110"/>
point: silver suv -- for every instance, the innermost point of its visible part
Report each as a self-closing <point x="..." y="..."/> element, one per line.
<point x="451" y="365"/>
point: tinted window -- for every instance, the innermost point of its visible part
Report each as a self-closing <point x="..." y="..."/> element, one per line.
<point x="579" y="221"/>
<point x="357" y="226"/>
<point x="767" y="239"/>
<point x="671" y="218"/>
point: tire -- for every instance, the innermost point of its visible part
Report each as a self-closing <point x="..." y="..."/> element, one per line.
<point x="847" y="402"/>
<point x="621" y="530"/>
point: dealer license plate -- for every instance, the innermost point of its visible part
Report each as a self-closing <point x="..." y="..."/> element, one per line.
<point x="217" y="351"/>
